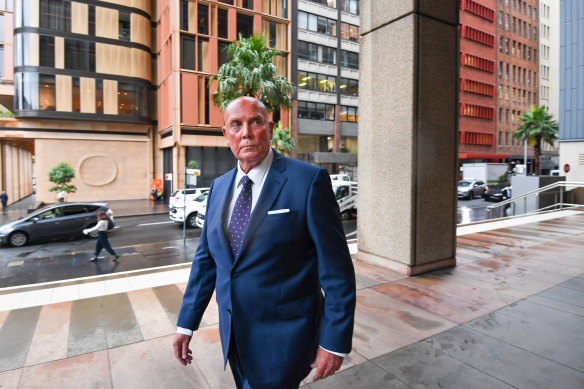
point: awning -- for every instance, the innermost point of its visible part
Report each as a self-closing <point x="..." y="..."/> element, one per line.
<point x="481" y="156"/>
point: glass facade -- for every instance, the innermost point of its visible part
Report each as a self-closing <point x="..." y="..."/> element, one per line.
<point x="70" y="79"/>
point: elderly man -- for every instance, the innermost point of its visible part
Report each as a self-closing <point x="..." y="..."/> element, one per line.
<point x="273" y="242"/>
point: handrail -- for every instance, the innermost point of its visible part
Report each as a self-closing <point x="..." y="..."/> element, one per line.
<point x="559" y="184"/>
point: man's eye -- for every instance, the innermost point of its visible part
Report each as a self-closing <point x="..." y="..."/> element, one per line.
<point x="235" y="124"/>
<point x="257" y="122"/>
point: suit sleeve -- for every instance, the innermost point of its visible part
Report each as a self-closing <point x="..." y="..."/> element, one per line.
<point x="335" y="267"/>
<point x="201" y="282"/>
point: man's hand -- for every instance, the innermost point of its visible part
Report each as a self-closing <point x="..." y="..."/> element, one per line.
<point x="182" y="352"/>
<point x="326" y="364"/>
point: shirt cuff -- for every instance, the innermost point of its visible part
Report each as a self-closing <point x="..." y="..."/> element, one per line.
<point x="344" y="355"/>
<point x="184" y="331"/>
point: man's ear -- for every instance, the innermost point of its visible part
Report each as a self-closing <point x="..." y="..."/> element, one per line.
<point x="226" y="138"/>
<point x="271" y="125"/>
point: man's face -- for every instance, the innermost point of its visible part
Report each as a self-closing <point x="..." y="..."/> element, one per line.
<point x="248" y="132"/>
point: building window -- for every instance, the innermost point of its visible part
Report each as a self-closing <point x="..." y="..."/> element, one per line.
<point x="275" y="7"/>
<point x="244" y="25"/>
<point x="203" y="19"/>
<point x="187" y="53"/>
<point x="330" y="3"/>
<point x="317" y="53"/>
<point x="54" y="14"/>
<point x="349" y="59"/>
<point x="47" y="51"/>
<point x="91" y="26"/>
<point x="1" y="61"/>
<point x="184" y="15"/>
<point x="320" y="24"/>
<point x="222" y="53"/>
<point x="349" y="86"/>
<point x="349" y="32"/>
<point x="478" y="36"/>
<point x="350" y="6"/>
<point x="349" y="114"/>
<point x="221" y="23"/>
<point x="276" y="34"/>
<point x="34" y="91"/>
<point x="313" y="81"/>
<point x="98" y="96"/>
<point x="500" y="115"/>
<point x="47" y="92"/>
<point x="124" y="26"/>
<point x="79" y="55"/>
<point x="247" y="4"/>
<point x="75" y="89"/>
<point x="203" y="55"/>
<point x="315" y="111"/>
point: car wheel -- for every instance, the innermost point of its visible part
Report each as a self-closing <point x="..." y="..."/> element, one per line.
<point x="18" y="239"/>
<point x="191" y="223"/>
<point x="93" y="234"/>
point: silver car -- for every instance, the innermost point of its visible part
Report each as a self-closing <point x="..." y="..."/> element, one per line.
<point x="469" y="189"/>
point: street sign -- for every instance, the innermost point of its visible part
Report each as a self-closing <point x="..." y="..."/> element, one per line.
<point x="194" y="172"/>
<point x="566" y="168"/>
<point x="168" y="176"/>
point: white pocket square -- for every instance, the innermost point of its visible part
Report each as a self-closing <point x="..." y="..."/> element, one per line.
<point x="276" y="211"/>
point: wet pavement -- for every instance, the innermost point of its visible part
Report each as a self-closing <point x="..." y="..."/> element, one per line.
<point x="509" y="315"/>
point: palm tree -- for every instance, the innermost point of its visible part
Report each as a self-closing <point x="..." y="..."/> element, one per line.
<point x="281" y="140"/>
<point x="538" y="126"/>
<point x="251" y="72"/>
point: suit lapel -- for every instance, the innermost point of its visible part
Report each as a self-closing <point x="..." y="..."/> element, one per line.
<point x="221" y="199"/>
<point x="270" y="191"/>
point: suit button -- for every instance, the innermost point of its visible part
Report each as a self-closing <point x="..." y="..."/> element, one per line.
<point x="229" y="311"/>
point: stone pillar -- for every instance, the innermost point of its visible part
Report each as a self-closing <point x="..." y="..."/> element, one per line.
<point x="408" y="104"/>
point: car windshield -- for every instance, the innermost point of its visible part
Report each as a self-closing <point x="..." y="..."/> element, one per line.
<point x="201" y="198"/>
<point x="464" y="184"/>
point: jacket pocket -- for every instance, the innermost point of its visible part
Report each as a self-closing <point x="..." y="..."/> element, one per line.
<point x="303" y="306"/>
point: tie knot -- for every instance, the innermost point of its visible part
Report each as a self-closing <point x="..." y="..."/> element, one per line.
<point x="246" y="181"/>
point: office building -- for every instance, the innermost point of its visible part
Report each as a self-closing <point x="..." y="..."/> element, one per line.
<point x="82" y="85"/>
<point x="477" y="97"/>
<point x="571" y="139"/>
<point x="192" y="38"/>
<point x="549" y="74"/>
<point x="517" y="73"/>
<point x="325" y="67"/>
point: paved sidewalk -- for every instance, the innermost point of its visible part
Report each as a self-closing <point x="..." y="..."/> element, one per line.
<point x="121" y="208"/>
<point x="509" y="315"/>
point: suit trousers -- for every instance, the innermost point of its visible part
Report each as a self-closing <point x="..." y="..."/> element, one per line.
<point x="238" y="374"/>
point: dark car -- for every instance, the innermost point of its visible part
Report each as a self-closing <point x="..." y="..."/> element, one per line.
<point x="493" y="194"/>
<point x="54" y="222"/>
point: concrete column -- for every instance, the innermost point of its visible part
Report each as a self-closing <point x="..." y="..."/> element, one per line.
<point x="407" y="134"/>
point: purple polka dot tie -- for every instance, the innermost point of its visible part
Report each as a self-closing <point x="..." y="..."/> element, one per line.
<point x="240" y="216"/>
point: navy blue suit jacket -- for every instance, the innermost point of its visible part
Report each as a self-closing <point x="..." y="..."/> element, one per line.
<point x="270" y="294"/>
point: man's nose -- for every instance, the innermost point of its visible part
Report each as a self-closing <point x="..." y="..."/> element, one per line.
<point x="246" y="130"/>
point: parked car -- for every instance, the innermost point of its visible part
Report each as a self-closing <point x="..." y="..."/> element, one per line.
<point x="469" y="189"/>
<point x="177" y="213"/>
<point x="54" y="222"/>
<point x="176" y="200"/>
<point x="493" y="194"/>
<point x="340" y="177"/>
<point x="200" y="219"/>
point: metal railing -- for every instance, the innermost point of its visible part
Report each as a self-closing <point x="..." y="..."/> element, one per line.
<point x="559" y="190"/>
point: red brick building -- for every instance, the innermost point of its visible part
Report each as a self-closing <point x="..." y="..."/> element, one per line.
<point x="517" y="77"/>
<point x="478" y="78"/>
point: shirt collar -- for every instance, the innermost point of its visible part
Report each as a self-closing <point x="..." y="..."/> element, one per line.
<point x="257" y="173"/>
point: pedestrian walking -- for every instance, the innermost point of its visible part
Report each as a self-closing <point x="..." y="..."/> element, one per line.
<point x="3" y="200"/>
<point x="102" y="241"/>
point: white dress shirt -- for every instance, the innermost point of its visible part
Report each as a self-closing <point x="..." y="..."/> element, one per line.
<point x="258" y="177"/>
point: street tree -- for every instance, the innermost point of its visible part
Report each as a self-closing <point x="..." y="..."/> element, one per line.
<point x="281" y="140"/>
<point x="537" y="127"/>
<point x="61" y="176"/>
<point x="251" y="72"/>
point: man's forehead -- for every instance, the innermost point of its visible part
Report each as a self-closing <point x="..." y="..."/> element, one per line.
<point x="244" y="108"/>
